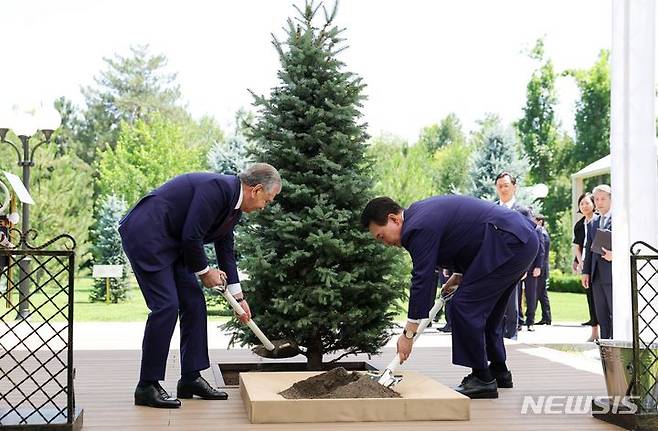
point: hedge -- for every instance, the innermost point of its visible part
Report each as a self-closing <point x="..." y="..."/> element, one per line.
<point x="565" y="283"/>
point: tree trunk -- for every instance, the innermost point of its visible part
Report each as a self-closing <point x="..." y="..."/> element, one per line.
<point x="314" y="355"/>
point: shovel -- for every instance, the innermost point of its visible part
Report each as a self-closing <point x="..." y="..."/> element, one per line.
<point x="387" y="377"/>
<point x="278" y="349"/>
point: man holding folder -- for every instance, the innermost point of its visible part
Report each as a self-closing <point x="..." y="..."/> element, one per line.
<point x="597" y="266"/>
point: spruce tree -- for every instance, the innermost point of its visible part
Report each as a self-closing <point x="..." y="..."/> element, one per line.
<point x="498" y="153"/>
<point x="107" y="249"/>
<point x="315" y="275"/>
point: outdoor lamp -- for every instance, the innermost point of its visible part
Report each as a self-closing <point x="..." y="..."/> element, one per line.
<point x="25" y="123"/>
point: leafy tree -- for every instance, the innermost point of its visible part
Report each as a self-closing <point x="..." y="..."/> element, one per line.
<point x="131" y="88"/>
<point x="401" y="172"/>
<point x="107" y="249"/>
<point x="315" y="275"/>
<point x="592" y="113"/>
<point x="450" y="168"/>
<point x="62" y="189"/>
<point x="538" y="129"/>
<point x="147" y="154"/>
<point x="436" y="136"/>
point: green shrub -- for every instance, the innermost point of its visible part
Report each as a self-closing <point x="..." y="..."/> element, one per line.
<point x="559" y="282"/>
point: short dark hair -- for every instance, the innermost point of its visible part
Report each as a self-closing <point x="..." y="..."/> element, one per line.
<point x="583" y="196"/>
<point x="512" y="178"/>
<point x="377" y="211"/>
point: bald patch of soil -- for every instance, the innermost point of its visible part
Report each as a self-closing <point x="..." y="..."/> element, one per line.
<point x="338" y="383"/>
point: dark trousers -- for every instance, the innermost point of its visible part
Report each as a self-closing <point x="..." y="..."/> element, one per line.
<point x="520" y="290"/>
<point x="535" y="291"/>
<point x="170" y="292"/>
<point x="542" y="297"/>
<point x="602" y="293"/>
<point x="591" y="307"/>
<point x="478" y="307"/>
<point x="511" y="314"/>
<point x="531" y="299"/>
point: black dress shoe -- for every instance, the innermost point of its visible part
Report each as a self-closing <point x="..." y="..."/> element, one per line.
<point x="446" y="329"/>
<point x="473" y="387"/>
<point x="200" y="388"/>
<point x="543" y="322"/>
<point x="154" y="395"/>
<point x="588" y="323"/>
<point x="503" y="379"/>
<point x="531" y="328"/>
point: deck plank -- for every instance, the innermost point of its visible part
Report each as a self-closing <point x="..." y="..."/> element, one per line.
<point x="106" y="379"/>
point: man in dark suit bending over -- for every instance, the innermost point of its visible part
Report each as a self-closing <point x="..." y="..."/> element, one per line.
<point x="163" y="237"/>
<point x="487" y="247"/>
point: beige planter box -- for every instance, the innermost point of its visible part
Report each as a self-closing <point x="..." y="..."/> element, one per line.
<point x="423" y="399"/>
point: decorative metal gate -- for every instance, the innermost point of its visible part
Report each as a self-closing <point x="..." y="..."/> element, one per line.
<point x="36" y="353"/>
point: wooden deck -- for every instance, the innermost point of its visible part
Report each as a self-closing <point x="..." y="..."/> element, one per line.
<point x="106" y="379"/>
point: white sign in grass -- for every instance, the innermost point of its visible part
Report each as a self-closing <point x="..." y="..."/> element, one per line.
<point x="107" y="271"/>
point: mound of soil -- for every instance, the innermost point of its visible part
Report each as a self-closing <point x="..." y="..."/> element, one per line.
<point x="338" y="383"/>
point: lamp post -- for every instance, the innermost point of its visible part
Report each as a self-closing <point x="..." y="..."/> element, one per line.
<point x="25" y="125"/>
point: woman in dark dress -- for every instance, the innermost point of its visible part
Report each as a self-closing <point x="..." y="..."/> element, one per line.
<point x="586" y="208"/>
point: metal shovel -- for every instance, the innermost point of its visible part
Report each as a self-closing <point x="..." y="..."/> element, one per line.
<point x="387" y="377"/>
<point x="277" y="349"/>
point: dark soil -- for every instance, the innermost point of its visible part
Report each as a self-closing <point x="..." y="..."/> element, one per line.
<point x="282" y="349"/>
<point x="338" y="383"/>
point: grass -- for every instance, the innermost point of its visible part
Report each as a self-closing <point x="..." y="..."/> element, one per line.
<point x="565" y="307"/>
<point x="132" y="310"/>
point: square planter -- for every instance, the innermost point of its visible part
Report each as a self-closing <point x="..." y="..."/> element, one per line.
<point x="423" y="399"/>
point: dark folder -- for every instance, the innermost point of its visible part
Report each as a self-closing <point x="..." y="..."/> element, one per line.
<point x="602" y="239"/>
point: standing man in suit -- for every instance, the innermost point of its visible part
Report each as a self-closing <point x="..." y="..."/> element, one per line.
<point x="487" y="247"/>
<point x="535" y="283"/>
<point x="597" y="268"/>
<point x="163" y="237"/>
<point x="506" y="191"/>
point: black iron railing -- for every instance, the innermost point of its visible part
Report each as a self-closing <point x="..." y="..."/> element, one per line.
<point x="644" y="300"/>
<point x="36" y="352"/>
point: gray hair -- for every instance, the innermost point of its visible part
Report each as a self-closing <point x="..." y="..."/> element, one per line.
<point x="261" y="173"/>
<point x="603" y="188"/>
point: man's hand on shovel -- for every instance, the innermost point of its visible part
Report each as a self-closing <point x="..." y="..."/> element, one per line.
<point x="244" y="318"/>
<point x="215" y="277"/>
<point x="453" y="282"/>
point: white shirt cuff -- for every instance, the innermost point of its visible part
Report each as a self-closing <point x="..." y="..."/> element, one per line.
<point x="234" y="288"/>
<point x="203" y="271"/>
<point x="416" y="321"/>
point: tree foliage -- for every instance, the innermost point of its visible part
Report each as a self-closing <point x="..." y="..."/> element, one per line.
<point x="314" y="274"/>
<point x="107" y="249"/>
<point x="147" y="154"/>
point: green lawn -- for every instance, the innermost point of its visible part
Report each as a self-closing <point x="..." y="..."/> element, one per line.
<point x="565" y="307"/>
<point x="133" y="310"/>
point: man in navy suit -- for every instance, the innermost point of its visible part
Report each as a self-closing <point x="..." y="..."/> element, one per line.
<point x="506" y="191"/>
<point x="535" y="283"/>
<point x="597" y="268"/>
<point x="487" y="247"/>
<point x="163" y="237"/>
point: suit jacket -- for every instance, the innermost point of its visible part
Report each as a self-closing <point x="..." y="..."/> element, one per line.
<point x="546" y="246"/>
<point x="175" y="221"/>
<point x="594" y="261"/>
<point x="542" y="253"/>
<point x="457" y="233"/>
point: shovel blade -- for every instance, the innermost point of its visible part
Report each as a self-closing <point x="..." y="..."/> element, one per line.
<point x="282" y="349"/>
